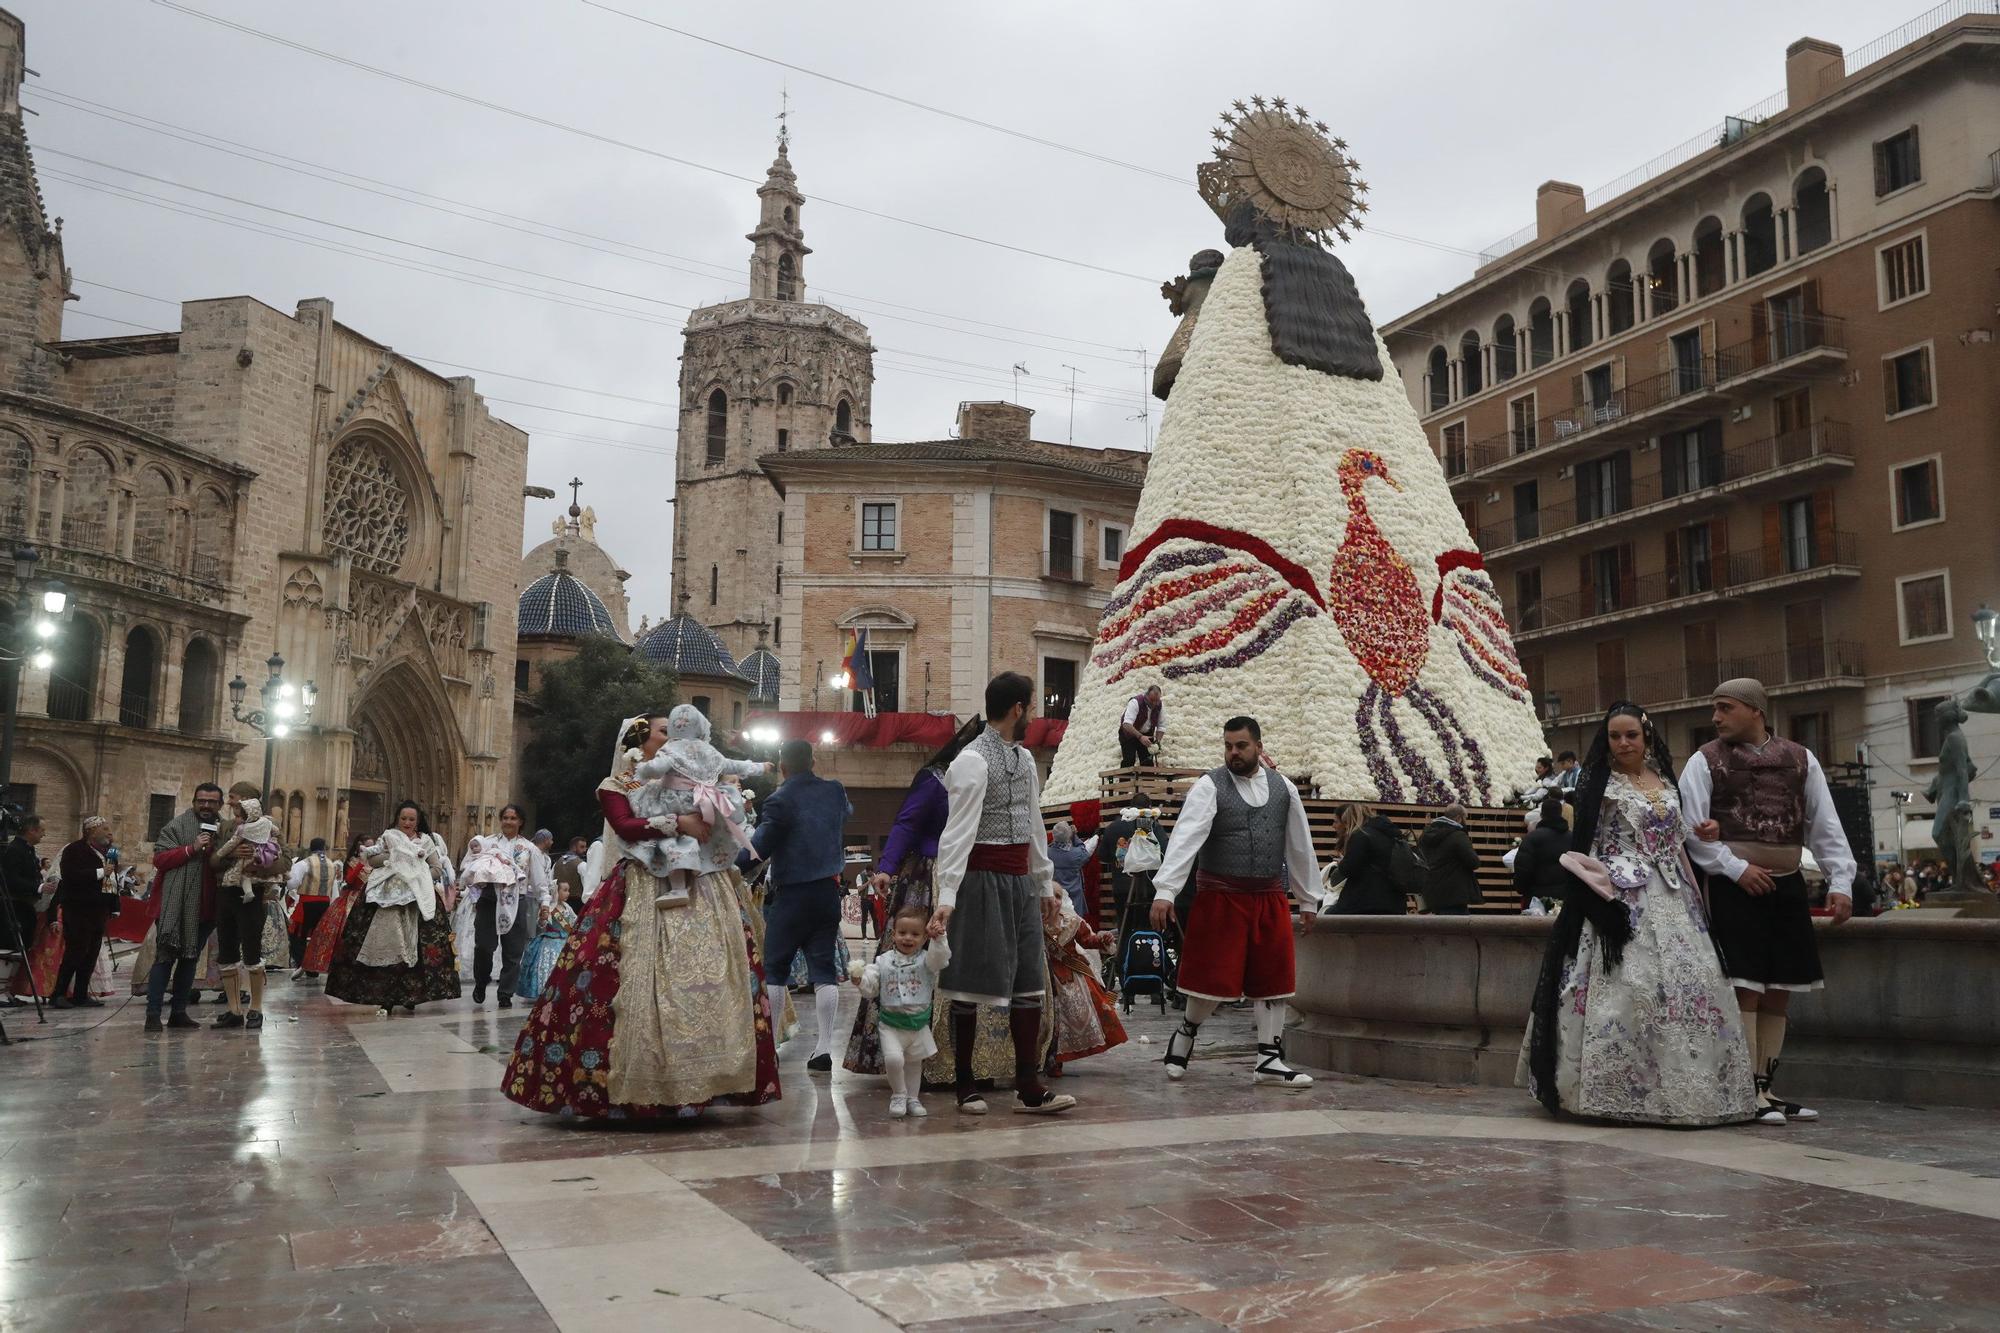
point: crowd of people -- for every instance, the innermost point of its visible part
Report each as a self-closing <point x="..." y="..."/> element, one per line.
<point x="656" y="958"/>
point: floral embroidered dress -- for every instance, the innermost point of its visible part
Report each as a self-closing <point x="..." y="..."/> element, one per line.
<point x="650" y="1014"/>
<point x="1656" y="1040"/>
<point x="540" y="958"/>
<point x="395" y="941"/>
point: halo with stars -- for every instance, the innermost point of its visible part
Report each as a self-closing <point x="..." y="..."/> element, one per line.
<point x="1275" y="157"/>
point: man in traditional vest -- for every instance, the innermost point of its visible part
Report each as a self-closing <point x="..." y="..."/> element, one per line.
<point x="1768" y="798"/>
<point x="1139" y="728"/>
<point x="1242" y="830"/>
<point x="310" y="888"/>
<point x="995" y="890"/>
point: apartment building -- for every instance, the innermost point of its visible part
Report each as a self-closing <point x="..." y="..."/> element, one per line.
<point x="1739" y="413"/>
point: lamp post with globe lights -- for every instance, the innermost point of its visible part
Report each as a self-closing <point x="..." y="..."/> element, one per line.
<point x="40" y="608"/>
<point x="285" y="708"/>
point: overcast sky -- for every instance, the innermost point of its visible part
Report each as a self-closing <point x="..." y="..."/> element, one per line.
<point x="1456" y="112"/>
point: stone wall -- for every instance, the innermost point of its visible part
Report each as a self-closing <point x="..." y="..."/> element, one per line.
<point x="1911" y="1010"/>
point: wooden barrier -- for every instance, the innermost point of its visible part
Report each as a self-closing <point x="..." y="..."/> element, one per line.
<point x="1493" y="829"/>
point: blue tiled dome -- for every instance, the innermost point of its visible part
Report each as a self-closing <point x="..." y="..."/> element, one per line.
<point x="762" y="669"/>
<point x="558" y="605"/>
<point x="688" y="647"/>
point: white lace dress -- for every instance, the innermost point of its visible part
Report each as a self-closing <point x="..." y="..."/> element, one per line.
<point x="1658" y="1040"/>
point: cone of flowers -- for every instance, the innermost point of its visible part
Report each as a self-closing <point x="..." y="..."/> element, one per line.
<point x="1296" y="554"/>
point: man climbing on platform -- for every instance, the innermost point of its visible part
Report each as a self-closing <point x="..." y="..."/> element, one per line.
<point x="1139" y="729"/>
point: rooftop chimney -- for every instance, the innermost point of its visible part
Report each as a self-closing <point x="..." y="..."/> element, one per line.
<point x="994" y="421"/>
<point x="1812" y="70"/>
<point x="1558" y="207"/>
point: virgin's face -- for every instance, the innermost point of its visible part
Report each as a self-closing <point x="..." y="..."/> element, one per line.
<point x="406" y="820"/>
<point x="1628" y="743"/>
<point x="510" y="823"/>
<point x="656" y="736"/>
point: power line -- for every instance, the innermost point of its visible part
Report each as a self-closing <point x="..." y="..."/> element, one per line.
<point x="494" y="217"/>
<point x="596" y="137"/>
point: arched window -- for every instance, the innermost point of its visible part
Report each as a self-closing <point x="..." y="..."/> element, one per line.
<point x="1505" y="352"/>
<point x="1577" y="303"/>
<point x="784" y="440"/>
<point x="1618" y="297"/>
<point x="790" y="216"/>
<point x="198" y="677"/>
<point x="153" y="521"/>
<point x="215" y="537"/>
<point x="777" y="631"/>
<point x="788" y="278"/>
<point x="714" y="583"/>
<point x="1440" y="375"/>
<point x="369" y="512"/>
<point x="135" y="690"/>
<point x="1541" y="333"/>
<point x="1709" y="271"/>
<point x="73" y="676"/>
<point x="778" y="580"/>
<point x="1813" y="220"/>
<point x="1470" y="375"/>
<point x="843" y="419"/>
<point x="784" y="393"/>
<point x="87" y="501"/>
<point x="1662" y="286"/>
<point x="718" y="426"/>
<point x="1760" y="236"/>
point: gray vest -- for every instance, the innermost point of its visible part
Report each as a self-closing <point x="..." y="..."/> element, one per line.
<point x="1007" y="817"/>
<point x="1246" y="841"/>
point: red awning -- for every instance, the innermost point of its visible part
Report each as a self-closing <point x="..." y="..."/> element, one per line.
<point x="930" y="730"/>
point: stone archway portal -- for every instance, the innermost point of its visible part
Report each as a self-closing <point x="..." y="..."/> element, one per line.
<point x="405" y="747"/>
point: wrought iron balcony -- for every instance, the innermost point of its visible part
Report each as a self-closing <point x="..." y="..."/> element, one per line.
<point x="1823" y="443"/>
<point x="1735" y="574"/>
<point x="1795" y="670"/>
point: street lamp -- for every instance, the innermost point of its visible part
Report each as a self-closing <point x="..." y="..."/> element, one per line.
<point x="1552" y="706"/>
<point x="285" y="707"/>
<point x="1902" y="799"/>
<point x="29" y="639"/>
<point x="1986" y="624"/>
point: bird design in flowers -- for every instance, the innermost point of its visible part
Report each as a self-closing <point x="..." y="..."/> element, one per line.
<point x="1379" y="608"/>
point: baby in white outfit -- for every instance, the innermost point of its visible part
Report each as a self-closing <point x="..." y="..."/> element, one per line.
<point x="904" y="979"/>
<point x="256" y="829"/>
<point x="685" y="777"/>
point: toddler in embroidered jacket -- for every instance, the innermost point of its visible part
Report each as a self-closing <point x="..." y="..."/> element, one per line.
<point x="903" y="978"/>
<point x="258" y="830"/>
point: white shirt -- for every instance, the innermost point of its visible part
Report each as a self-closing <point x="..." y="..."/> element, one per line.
<point x="306" y="868"/>
<point x="1197" y="816"/>
<point x="1824" y="836"/>
<point x="1132" y="713"/>
<point x="965" y="789"/>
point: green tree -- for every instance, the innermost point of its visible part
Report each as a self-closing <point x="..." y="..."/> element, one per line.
<point x="579" y="706"/>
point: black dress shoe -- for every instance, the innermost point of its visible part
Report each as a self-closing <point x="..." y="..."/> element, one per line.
<point x="153" y="1023"/>
<point x="820" y="1064"/>
<point x="89" y="1002"/>
<point x="228" y="1021"/>
<point x="61" y="1002"/>
<point x="479" y="992"/>
<point x="182" y="1023"/>
<point x="506" y="1002"/>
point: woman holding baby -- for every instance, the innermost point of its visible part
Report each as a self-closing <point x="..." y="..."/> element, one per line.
<point x="656" y="1007"/>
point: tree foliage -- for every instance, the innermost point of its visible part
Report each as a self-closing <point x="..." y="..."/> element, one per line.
<point x="581" y="702"/>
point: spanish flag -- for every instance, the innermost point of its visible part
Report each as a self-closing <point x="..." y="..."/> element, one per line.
<point x="855" y="664"/>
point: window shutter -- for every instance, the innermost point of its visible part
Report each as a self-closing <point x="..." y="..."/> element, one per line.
<point x="1621" y="465"/>
<point x="1760" y="332"/>
<point x="1881" y="170"/>
<point x="1718" y="542"/>
<point x="1617" y="374"/>
<point x="1673" y="564"/>
<point x="1889" y="403"/>
<point x="1774" y="540"/>
<point x="1711" y="363"/>
<point x="1586" y="587"/>
<point x="1916" y="156"/>
<point x="1628" y="583"/>
<point x="1823" y="535"/>
<point x="1924" y="392"/>
<point x="1809" y="300"/>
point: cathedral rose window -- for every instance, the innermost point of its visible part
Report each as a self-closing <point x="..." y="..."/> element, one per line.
<point x="367" y="509"/>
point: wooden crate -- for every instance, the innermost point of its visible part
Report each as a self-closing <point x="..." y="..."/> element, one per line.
<point x="1493" y="829"/>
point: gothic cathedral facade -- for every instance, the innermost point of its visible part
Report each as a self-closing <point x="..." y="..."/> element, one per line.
<point x="768" y="374"/>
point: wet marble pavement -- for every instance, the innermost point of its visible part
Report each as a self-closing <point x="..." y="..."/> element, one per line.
<point x="345" y="1171"/>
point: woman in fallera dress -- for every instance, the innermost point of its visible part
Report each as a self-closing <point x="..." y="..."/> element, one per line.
<point x="395" y="946"/>
<point x="651" y="1012"/>
<point x="1633" y="1020"/>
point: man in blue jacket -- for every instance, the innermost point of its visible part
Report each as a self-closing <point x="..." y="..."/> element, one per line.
<point x="799" y="831"/>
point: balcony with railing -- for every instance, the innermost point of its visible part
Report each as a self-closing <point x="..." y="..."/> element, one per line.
<point x="1733" y="575"/>
<point x="1063" y="565"/>
<point x="1792" y="344"/>
<point x="1795" y="670"/>
<point x="1822" y="446"/>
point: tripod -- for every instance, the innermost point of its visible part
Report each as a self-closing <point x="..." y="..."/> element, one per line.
<point x="11" y="926"/>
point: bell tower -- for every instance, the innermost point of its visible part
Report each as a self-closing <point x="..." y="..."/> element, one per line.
<point x="767" y="374"/>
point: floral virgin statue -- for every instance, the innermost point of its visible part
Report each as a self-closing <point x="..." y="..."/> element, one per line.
<point x="1296" y="554"/>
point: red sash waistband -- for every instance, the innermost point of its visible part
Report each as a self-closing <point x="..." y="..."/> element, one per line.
<point x="1001" y="858"/>
<point x="1204" y="879"/>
